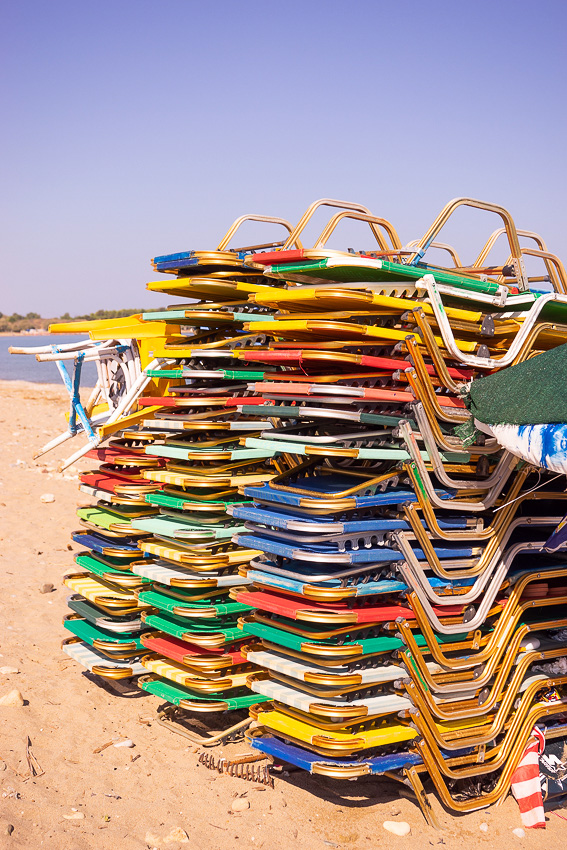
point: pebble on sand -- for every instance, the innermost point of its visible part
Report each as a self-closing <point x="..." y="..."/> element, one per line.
<point x="74" y="816"/>
<point x="12" y="698"/>
<point x="519" y="832"/>
<point x="397" y="827"/>
<point x="240" y="805"/>
<point x="7" y="671"/>
<point x="47" y="498"/>
<point x="127" y="742"/>
<point x="47" y="587"/>
<point x="176" y="835"/>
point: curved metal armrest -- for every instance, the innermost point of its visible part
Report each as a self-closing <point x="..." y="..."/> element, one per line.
<point x="307" y="215"/>
<point x="497" y="477"/>
<point x="223" y="244"/>
<point x="553" y="264"/>
<point x="374" y="223"/>
<point x="442" y="246"/>
<point x="503" y="784"/>
<point x="510" y="228"/>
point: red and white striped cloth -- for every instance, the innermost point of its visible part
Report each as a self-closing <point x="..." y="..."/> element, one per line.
<point x="526" y="786"/>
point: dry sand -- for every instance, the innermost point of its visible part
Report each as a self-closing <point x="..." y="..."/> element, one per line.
<point x="132" y="798"/>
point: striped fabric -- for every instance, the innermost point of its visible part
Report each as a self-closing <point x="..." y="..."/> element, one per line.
<point x="92" y="590"/>
<point x="169" y="670"/>
<point x="195" y="558"/>
<point x="526" y="786"/>
<point x="373" y="675"/>
<point x="165" y="575"/>
<point x="176" y="672"/>
<point x="88" y="657"/>
<point x="382" y="704"/>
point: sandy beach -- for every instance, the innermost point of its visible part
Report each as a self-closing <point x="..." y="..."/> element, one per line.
<point x="135" y="797"/>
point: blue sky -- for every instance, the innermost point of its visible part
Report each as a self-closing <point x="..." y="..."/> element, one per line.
<point x="136" y="127"/>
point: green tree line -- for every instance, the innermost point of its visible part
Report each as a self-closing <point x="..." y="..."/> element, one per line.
<point x="16" y="322"/>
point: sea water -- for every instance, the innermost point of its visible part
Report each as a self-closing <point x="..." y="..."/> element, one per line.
<point x="24" y="367"/>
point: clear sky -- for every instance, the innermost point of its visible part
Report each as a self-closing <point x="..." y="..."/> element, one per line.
<point x="139" y="127"/>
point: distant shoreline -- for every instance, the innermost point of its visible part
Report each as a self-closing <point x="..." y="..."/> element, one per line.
<point x="31" y="336"/>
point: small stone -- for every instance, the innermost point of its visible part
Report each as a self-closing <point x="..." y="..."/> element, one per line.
<point x="2" y="765"/>
<point x="176" y="835"/>
<point x="519" y="832"/>
<point x="127" y="742"/>
<point x="152" y="838"/>
<point x="397" y="827"/>
<point x="240" y="805"/>
<point x="75" y="816"/>
<point x="12" y="698"/>
<point x="10" y="792"/>
<point x="47" y="587"/>
<point x="47" y="498"/>
<point x="7" y="671"/>
<point x="395" y="811"/>
<point x="483" y="827"/>
<point x="9" y="828"/>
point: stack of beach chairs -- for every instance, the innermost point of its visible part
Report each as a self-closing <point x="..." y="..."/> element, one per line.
<point x="159" y="563"/>
<point x="297" y="516"/>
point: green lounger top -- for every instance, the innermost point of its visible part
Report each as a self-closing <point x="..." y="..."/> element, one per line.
<point x="179" y="626"/>
<point x="178" y="529"/>
<point x="368" y="645"/>
<point x="98" y="568"/>
<point x="177" y="694"/>
<point x="223" y="374"/>
<point x="217" y="605"/>
<point x="187" y="503"/>
<point x="368" y="270"/>
<point x="90" y="634"/>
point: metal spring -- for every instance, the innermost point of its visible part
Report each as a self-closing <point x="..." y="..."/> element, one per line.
<point x="241" y="769"/>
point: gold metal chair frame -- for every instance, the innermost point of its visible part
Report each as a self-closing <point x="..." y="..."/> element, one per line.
<point x="492" y="554"/>
<point x="498" y="639"/>
<point x="509" y="226"/>
<point x="490" y="695"/>
<point x="505" y="717"/>
<point x="553" y="264"/>
<point x="512" y="501"/>
<point x="503" y="784"/>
